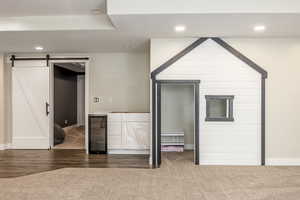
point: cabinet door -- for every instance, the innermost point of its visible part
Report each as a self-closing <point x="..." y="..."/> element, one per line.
<point x="137" y="135"/>
<point x="114" y="135"/>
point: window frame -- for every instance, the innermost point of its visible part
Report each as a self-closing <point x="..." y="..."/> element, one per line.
<point x="229" y="108"/>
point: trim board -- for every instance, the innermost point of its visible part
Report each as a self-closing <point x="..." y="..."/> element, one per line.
<point x="283" y="162"/>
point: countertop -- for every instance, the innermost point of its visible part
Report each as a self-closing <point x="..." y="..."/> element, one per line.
<point x="106" y="113"/>
<point x="129" y="112"/>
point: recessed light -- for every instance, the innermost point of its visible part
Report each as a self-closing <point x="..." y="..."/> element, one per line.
<point x="39" y="48"/>
<point x="179" y="28"/>
<point x="259" y="28"/>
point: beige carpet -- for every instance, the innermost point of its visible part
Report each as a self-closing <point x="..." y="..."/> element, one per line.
<point x="74" y="138"/>
<point x="177" y="178"/>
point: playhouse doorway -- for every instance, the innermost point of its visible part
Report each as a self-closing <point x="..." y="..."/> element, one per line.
<point x="177" y="121"/>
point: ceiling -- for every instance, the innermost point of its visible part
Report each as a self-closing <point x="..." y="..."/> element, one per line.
<point x="71" y="41"/>
<point x="11" y="8"/>
<point x="209" y="25"/>
<point x="120" y="33"/>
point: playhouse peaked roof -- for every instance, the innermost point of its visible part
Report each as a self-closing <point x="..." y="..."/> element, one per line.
<point x="222" y="43"/>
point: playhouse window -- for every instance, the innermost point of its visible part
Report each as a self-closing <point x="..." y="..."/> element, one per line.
<point x="219" y="108"/>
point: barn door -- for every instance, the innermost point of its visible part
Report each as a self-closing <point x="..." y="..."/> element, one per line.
<point x="30" y="106"/>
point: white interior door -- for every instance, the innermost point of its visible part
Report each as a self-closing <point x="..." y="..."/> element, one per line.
<point x="30" y="97"/>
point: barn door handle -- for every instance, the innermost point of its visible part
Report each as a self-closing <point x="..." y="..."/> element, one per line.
<point x="47" y="108"/>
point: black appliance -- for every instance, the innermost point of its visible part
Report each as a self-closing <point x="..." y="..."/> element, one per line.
<point x="97" y="134"/>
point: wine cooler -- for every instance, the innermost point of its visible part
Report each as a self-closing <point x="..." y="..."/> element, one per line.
<point x="97" y="134"/>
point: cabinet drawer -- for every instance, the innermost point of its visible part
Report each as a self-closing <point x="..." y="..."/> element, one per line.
<point x="115" y="117"/>
<point x="114" y="128"/>
<point x="138" y="117"/>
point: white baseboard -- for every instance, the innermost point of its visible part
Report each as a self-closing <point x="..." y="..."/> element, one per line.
<point x="5" y="146"/>
<point x="283" y="162"/>
<point x="269" y="162"/>
<point x="8" y="146"/>
<point x="128" y="151"/>
<point x="229" y="162"/>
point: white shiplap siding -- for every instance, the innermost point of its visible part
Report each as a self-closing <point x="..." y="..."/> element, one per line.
<point x="221" y="73"/>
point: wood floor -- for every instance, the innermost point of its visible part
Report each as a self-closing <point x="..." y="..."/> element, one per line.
<point x="15" y="163"/>
<point x="74" y="138"/>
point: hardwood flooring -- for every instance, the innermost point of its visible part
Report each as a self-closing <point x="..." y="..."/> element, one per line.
<point x="74" y="138"/>
<point x="15" y="163"/>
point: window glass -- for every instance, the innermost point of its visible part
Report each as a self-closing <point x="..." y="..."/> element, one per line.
<point x="219" y="108"/>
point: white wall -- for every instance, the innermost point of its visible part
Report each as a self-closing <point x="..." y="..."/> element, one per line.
<point x="2" y="101"/>
<point x="280" y="57"/>
<point x="8" y="103"/>
<point x="121" y="80"/>
<point x="201" y="6"/>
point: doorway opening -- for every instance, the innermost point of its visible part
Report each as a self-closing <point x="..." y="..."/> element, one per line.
<point x="69" y="105"/>
<point x="177" y="121"/>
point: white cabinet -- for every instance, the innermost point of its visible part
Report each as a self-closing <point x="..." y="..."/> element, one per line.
<point x="137" y="134"/>
<point x="128" y="133"/>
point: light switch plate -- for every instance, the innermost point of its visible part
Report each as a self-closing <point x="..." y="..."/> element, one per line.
<point x="96" y="99"/>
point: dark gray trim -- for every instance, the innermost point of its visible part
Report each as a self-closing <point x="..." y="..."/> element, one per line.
<point x="197" y="120"/>
<point x="263" y="121"/>
<point x="221" y="119"/>
<point x="214" y="119"/>
<point x="240" y="56"/>
<point x="179" y="81"/>
<point x="219" y="96"/>
<point x="158" y="124"/>
<point x="154" y="163"/>
<point x="177" y="56"/>
<point x="47" y="59"/>
<point x="157" y="109"/>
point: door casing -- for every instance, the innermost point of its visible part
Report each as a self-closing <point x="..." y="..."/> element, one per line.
<point x="156" y="123"/>
<point x="87" y="78"/>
